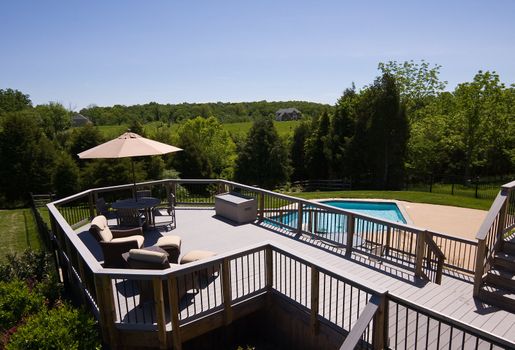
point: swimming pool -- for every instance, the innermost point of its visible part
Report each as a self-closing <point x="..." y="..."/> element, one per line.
<point x="333" y="226"/>
<point x="381" y="210"/>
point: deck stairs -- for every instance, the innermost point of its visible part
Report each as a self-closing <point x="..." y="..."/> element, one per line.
<point x="499" y="283"/>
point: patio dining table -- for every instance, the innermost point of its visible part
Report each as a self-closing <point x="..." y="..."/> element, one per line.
<point x="142" y="203"/>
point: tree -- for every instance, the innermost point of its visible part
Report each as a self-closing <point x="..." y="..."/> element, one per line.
<point x="342" y="131"/>
<point x="379" y="146"/>
<point x="13" y="101"/>
<point x="263" y="159"/>
<point x="65" y="176"/>
<point x="84" y="138"/>
<point x="417" y="82"/>
<point x="26" y="154"/>
<point x="483" y="117"/>
<point x="207" y="145"/>
<point x="54" y="117"/>
<point x="318" y="153"/>
<point x="298" y="151"/>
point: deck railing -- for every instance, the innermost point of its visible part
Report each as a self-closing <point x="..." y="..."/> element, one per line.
<point x="223" y="281"/>
<point x="363" y="234"/>
<point x="499" y="222"/>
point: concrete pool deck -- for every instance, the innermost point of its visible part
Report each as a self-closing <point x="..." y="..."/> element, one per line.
<point x="454" y="221"/>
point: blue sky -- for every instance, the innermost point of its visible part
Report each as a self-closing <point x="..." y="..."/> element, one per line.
<point x="128" y="52"/>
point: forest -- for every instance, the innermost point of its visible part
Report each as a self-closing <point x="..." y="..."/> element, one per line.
<point x="404" y="125"/>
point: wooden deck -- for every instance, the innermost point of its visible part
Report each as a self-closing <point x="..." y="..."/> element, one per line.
<point x="201" y="229"/>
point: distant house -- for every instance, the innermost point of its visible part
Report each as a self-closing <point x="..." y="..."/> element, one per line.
<point x="79" y="120"/>
<point x="287" y="114"/>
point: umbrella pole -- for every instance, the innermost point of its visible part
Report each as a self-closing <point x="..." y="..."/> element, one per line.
<point x="134" y="179"/>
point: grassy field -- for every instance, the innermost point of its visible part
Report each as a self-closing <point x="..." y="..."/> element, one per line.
<point x="283" y="128"/>
<point x="409" y="196"/>
<point x="19" y="231"/>
<point x="238" y="129"/>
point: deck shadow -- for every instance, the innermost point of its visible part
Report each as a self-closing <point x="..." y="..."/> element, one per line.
<point x="385" y="267"/>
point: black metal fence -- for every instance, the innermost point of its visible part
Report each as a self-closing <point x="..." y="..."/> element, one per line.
<point x="476" y="187"/>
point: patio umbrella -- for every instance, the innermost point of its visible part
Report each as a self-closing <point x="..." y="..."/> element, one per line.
<point x="128" y="145"/>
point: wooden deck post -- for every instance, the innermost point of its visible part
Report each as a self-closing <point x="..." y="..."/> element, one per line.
<point x="380" y="330"/>
<point x="315" y="277"/>
<point x="388" y="240"/>
<point x="104" y="292"/>
<point x="419" y="253"/>
<point x="91" y="205"/>
<point x="500" y="225"/>
<point x="480" y="266"/>
<point x="173" y="188"/>
<point x="300" y="208"/>
<point x="261" y="206"/>
<point x="157" y="285"/>
<point x="350" y="235"/>
<point x="227" y="291"/>
<point x="173" y="297"/>
<point x="269" y="267"/>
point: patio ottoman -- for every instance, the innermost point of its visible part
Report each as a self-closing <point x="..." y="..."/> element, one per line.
<point x="196" y="255"/>
<point x="172" y="245"/>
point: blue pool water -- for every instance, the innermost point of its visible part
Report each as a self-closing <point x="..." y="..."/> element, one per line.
<point x="387" y="211"/>
<point x="333" y="226"/>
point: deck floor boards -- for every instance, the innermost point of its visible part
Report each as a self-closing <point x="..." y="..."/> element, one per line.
<point x="201" y="229"/>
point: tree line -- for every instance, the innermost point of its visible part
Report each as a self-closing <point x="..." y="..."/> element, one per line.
<point x="404" y="125"/>
<point x="225" y="112"/>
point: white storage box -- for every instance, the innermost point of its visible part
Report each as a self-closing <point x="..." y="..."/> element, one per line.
<point x="236" y="207"/>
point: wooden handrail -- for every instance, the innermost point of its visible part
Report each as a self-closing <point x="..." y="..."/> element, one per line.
<point x="433" y="246"/>
<point x="363" y="322"/>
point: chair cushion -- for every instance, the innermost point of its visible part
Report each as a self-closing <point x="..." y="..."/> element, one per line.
<point x="169" y="241"/>
<point x="140" y="239"/>
<point x="195" y="255"/>
<point x="100" y="223"/>
<point x="148" y="256"/>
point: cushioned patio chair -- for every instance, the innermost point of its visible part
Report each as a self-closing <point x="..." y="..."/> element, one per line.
<point x="115" y="242"/>
<point x="143" y="259"/>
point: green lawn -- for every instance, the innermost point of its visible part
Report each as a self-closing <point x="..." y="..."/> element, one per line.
<point x="18" y="230"/>
<point x="409" y="196"/>
<point x="239" y="129"/>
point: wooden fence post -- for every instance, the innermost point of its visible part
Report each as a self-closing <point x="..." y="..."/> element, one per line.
<point x="350" y="235"/>
<point x="380" y="322"/>
<point x="227" y="291"/>
<point x="173" y="297"/>
<point x="315" y="277"/>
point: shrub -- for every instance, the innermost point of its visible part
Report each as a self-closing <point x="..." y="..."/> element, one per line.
<point x="30" y="266"/>
<point x="59" y="328"/>
<point x="17" y="302"/>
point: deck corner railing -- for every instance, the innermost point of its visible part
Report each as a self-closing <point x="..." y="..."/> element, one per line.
<point x="499" y="221"/>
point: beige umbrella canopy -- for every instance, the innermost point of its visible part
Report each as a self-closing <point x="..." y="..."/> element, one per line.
<point x="128" y="145"/>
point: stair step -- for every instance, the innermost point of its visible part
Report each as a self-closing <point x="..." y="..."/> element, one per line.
<point x="501" y="278"/>
<point x="508" y="247"/>
<point x="505" y="261"/>
<point x="497" y="296"/>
